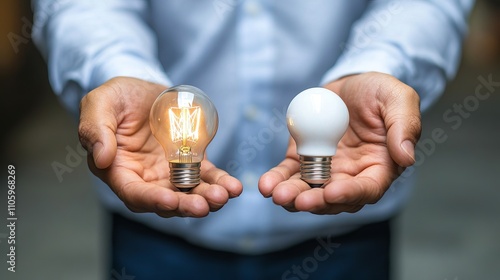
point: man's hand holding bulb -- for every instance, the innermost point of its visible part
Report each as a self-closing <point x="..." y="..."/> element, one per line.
<point x="114" y="128"/>
<point x="384" y="127"/>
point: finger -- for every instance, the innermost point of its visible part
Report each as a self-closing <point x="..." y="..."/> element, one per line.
<point x="402" y="120"/>
<point x="313" y="201"/>
<point x="278" y="174"/>
<point x="97" y="128"/>
<point x="213" y="175"/>
<point x="140" y="196"/>
<point x="286" y="192"/>
<point x="215" y="195"/>
<point x="192" y="205"/>
<point x="355" y="191"/>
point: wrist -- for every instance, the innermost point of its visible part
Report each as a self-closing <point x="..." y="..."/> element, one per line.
<point x="337" y="85"/>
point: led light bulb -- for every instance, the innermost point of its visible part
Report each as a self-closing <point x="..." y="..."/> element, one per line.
<point x="184" y="121"/>
<point x="317" y="119"/>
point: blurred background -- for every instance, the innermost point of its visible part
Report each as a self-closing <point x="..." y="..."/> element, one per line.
<point x="449" y="230"/>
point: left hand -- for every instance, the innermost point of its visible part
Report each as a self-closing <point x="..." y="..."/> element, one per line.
<point x="384" y="127"/>
<point x="123" y="153"/>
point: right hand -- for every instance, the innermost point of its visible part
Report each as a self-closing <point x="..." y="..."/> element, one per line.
<point x="114" y="129"/>
<point x="384" y="126"/>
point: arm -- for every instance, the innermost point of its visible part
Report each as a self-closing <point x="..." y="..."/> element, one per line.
<point x="88" y="44"/>
<point x="417" y="42"/>
<point x="413" y="43"/>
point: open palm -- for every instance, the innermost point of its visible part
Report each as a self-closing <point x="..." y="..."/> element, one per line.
<point x="383" y="129"/>
<point x="114" y="128"/>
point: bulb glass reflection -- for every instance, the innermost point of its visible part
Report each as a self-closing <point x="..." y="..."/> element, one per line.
<point x="317" y="118"/>
<point x="184" y="121"/>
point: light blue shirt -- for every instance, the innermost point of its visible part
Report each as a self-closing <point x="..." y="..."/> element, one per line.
<point x="251" y="57"/>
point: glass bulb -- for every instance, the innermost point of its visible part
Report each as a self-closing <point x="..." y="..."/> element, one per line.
<point x="317" y="119"/>
<point x="184" y="121"/>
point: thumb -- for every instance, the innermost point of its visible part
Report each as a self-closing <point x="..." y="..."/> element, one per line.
<point x="97" y="128"/>
<point x="402" y="120"/>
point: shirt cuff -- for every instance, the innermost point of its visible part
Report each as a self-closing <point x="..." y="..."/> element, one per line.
<point x="128" y="66"/>
<point x="75" y="84"/>
<point x="356" y="62"/>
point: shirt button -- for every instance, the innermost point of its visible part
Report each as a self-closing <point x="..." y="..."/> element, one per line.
<point x="252" y="8"/>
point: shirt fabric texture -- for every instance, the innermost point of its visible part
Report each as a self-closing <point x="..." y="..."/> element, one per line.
<point x="251" y="57"/>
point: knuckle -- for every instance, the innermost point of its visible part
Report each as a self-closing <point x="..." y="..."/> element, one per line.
<point x="413" y="95"/>
<point x="414" y="124"/>
<point x="83" y="103"/>
<point x="84" y="135"/>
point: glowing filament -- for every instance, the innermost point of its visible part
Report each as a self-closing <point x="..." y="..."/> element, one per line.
<point x="184" y="126"/>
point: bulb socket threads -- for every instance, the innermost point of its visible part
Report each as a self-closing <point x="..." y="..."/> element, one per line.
<point x="185" y="176"/>
<point x="315" y="170"/>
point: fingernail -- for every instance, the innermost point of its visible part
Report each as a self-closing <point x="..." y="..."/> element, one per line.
<point x="97" y="150"/>
<point x="409" y="149"/>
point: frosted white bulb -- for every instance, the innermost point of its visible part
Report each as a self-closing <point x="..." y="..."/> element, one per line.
<point x="184" y="121"/>
<point x="317" y="119"/>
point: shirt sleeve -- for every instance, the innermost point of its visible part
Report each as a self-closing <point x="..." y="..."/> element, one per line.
<point x="418" y="42"/>
<point x="86" y="43"/>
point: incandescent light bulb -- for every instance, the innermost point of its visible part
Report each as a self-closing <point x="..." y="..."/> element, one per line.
<point x="317" y="119"/>
<point x="184" y="121"/>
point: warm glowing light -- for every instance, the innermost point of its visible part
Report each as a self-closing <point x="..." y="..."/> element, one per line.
<point x="184" y="127"/>
<point x="184" y="121"/>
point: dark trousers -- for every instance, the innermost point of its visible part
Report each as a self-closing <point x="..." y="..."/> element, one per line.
<point x="144" y="253"/>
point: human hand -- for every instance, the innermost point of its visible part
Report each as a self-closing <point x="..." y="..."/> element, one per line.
<point x="114" y="129"/>
<point x="384" y="127"/>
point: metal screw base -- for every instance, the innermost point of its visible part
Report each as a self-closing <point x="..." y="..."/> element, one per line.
<point x="185" y="176"/>
<point x="315" y="170"/>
